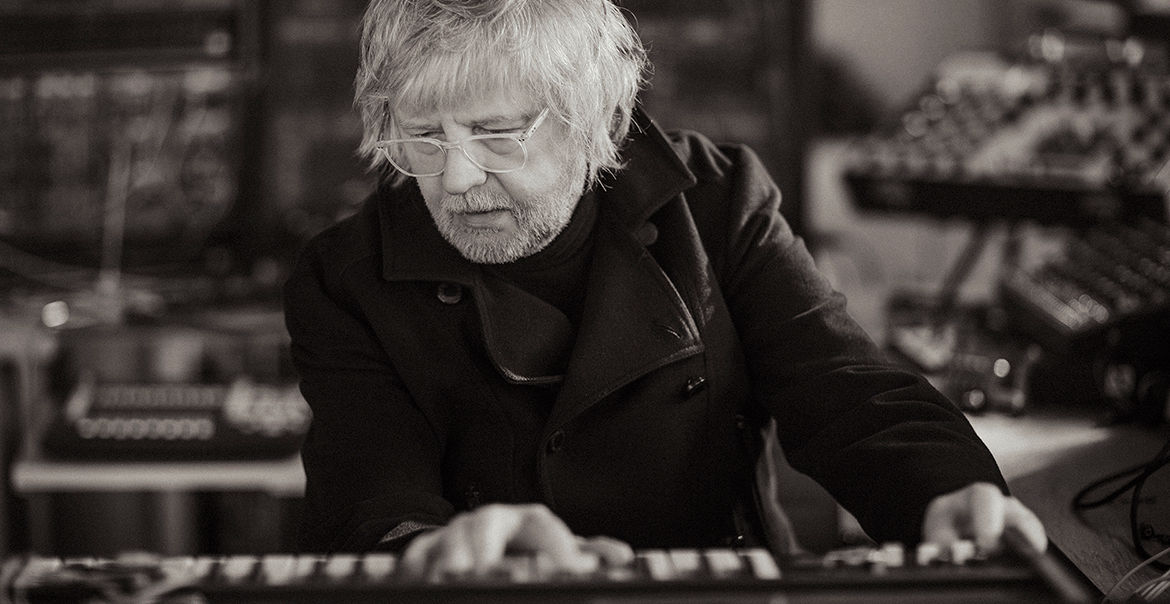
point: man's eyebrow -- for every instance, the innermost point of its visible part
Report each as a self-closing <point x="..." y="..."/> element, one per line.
<point x="498" y="120"/>
<point x="517" y="120"/>
<point x="420" y="124"/>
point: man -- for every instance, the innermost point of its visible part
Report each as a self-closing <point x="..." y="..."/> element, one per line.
<point x="555" y="329"/>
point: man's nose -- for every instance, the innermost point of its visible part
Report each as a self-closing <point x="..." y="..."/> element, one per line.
<point x="461" y="173"/>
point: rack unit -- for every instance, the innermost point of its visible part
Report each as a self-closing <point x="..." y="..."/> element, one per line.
<point x="128" y="130"/>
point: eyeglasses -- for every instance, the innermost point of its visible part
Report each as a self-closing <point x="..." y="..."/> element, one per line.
<point x="497" y="153"/>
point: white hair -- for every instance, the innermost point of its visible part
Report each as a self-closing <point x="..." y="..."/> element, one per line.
<point x="580" y="58"/>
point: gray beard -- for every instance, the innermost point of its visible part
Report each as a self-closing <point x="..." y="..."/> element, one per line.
<point x="538" y="223"/>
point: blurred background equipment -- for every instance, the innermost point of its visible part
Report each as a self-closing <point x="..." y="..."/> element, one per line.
<point x="1073" y="134"/>
<point x="173" y="392"/>
<point x="130" y="142"/>
<point x="156" y="155"/>
<point x="141" y="256"/>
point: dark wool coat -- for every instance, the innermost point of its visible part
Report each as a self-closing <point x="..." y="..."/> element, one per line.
<point x="435" y="388"/>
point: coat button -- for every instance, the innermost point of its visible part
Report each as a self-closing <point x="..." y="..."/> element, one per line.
<point x="556" y="442"/>
<point x="695" y="385"/>
<point x="647" y="234"/>
<point x="472" y="496"/>
<point x="450" y="293"/>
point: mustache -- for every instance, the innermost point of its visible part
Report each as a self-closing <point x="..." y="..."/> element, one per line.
<point x="477" y="201"/>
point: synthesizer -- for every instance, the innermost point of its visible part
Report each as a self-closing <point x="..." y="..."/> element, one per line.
<point x="1063" y="140"/>
<point x="1114" y="276"/>
<point x="694" y="576"/>
<point x="241" y="420"/>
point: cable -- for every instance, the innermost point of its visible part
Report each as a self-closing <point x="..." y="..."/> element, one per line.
<point x="1078" y="500"/>
<point x="1138" y="529"/>
<point x="1128" y="575"/>
<point x="1150" y="590"/>
<point x="1136" y="476"/>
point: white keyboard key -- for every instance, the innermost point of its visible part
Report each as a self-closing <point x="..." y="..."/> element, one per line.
<point x="762" y="563"/>
<point x="202" y="567"/>
<point x="723" y="562"/>
<point x="278" y="569"/>
<point x="378" y="566"/>
<point x="340" y="567"/>
<point x="238" y="568"/>
<point x="306" y="566"/>
<point x="893" y="554"/>
<point x="962" y="551"/>
<point x="178" y="568"/>
<point x="928" y="553"/>
<point x="658" y="565"/>
<point x="620" y="573"/>
<point x="687" y="562"/>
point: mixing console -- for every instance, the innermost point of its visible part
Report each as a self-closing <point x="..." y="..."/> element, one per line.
<point x="1110" y="276"/>
<point x="1045" y="140"/>
<point x="882" y="574"/>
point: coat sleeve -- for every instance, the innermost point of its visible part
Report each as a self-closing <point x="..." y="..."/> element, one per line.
<point x="879" y="438"/>
<point x="371" y="457"/>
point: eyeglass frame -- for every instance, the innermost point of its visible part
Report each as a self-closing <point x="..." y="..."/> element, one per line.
<point x="446" y="146"/>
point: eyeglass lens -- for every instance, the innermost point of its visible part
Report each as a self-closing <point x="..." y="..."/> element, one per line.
<point x="491" y="153"/>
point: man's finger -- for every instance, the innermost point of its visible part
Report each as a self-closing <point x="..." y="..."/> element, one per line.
<point x="544" y="532"/>
<point x="455" y="554"/>
<point x="613" y="551"/>
<point x="416" y="559"/>
<point x="986" y="505"/>
<point x="488" y="533"/>
<point x="940" y="526"/>
<point x="1019" y="517"/>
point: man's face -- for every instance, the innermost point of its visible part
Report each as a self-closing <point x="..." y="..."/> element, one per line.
<point x="493" y="218"/>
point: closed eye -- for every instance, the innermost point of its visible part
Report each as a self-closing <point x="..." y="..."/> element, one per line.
<point x="498" y="130"/>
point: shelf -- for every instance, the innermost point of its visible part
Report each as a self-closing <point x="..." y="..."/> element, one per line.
<point x="282" y="478"/>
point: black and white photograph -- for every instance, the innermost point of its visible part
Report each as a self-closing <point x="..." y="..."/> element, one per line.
<point x="584" y="301"/>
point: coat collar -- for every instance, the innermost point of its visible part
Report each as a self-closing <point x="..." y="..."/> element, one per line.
<point x="635" y="320"/>
<point x="412" y="248"/>
<point x="653" y="174"/>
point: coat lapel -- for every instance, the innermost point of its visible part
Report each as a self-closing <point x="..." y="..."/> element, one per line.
<point x="528" y="339"/>
<point x="634" y="322"/>
<point x="412" y="248"/>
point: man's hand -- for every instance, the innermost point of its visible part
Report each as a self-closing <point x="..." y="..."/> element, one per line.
<point x="476" y="542"/>
<point x="980" y="512"/>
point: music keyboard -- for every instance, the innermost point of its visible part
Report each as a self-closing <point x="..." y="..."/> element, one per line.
<point x="656" y="577"/>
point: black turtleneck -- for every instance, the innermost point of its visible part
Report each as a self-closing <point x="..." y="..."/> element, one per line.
<point x="558" y="273"/>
